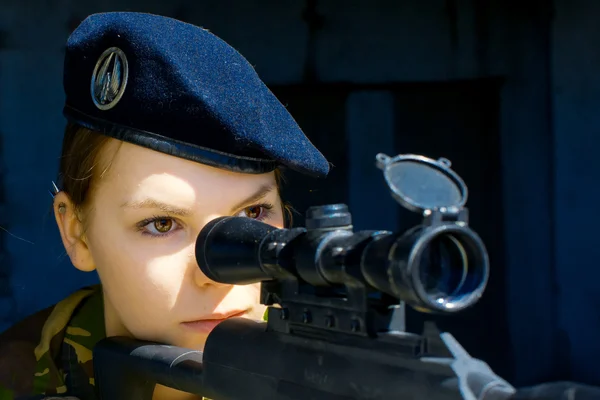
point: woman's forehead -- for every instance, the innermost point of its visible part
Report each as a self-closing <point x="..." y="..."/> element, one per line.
<point x="136" y="170"/>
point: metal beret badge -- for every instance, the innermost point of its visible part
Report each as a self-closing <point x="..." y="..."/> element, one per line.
<point x="109" y="78"/>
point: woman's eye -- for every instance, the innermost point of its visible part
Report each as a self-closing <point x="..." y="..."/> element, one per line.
<point x="160" y="226"/>
<point x="253" y="212"/>
<point x="259" y="212"/>
<point x="163" y="225"/>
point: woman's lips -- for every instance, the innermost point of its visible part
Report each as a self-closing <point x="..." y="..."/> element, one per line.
<point x="208" y="324"/>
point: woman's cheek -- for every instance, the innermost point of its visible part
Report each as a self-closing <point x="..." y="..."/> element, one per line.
<point x="167" y="271"/>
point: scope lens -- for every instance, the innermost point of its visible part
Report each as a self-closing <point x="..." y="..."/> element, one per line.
<point x="446" y="270"/>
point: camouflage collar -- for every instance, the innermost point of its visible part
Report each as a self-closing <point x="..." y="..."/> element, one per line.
<point x="64" y="354"/>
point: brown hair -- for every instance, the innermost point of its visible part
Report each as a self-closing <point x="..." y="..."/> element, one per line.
<point x="81" y="165"/>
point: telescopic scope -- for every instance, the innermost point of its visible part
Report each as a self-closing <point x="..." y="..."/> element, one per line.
<point x="440" y="265"/>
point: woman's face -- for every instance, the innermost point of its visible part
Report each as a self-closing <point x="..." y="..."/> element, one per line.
<point x="144" y="217"/>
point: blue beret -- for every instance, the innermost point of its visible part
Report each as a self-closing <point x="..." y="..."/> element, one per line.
<point x="178" y="89"/>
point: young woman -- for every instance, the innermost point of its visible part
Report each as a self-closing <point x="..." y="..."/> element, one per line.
<point x="168" y="128"/>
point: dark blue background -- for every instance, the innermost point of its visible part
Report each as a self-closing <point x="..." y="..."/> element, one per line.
<point x="508" y="90"/>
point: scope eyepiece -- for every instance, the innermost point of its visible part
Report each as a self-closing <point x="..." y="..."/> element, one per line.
<point x="228" y="248"/>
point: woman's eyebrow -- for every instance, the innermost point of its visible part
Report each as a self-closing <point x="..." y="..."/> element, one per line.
<point x="261" y="193"/>
<point x="159" y="205"/>
<point x="149" y="202"/>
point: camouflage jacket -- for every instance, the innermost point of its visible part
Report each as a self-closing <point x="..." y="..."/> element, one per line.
<point x="49" y="354"/>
